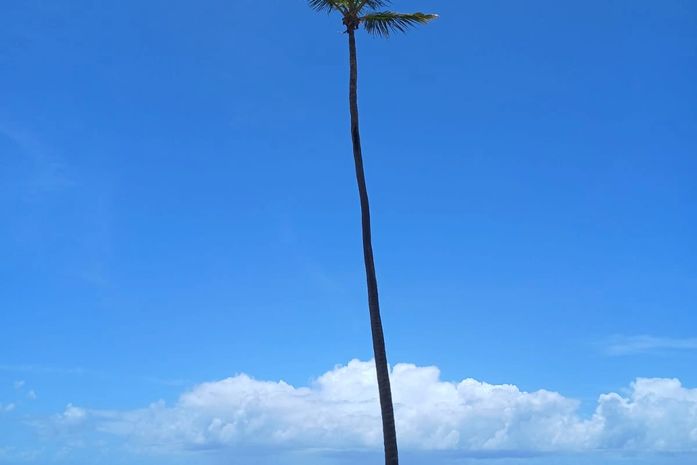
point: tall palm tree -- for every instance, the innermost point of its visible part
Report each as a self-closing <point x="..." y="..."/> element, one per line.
<point x="381" y="23"/>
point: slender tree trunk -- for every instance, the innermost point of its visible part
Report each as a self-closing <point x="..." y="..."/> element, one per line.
<point x="388" y="426"/>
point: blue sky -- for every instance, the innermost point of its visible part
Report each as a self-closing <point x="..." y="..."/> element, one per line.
<point x="179" y="207"/>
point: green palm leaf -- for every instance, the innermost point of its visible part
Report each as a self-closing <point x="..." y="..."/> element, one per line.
<point x="385" y="22"/>
<point x="330" y="5"/>
<point x="347" y="6"/>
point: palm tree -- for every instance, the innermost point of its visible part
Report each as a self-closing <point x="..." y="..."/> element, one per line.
<point x="381" y="23"/>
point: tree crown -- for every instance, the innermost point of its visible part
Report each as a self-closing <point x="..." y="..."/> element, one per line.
<point x="365" y="12"/>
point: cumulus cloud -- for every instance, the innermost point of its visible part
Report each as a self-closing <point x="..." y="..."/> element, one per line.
<point x="340" y="411"/>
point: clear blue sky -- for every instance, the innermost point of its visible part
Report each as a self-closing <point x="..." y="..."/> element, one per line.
<point x="178" y="201"/>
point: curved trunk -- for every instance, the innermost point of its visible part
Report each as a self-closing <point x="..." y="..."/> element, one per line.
<point x="388" y="426"/>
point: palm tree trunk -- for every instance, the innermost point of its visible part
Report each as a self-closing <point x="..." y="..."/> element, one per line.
<point x="388" y="426"/>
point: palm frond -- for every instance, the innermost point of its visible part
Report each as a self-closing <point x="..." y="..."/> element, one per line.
<point x="329" y="5"/>
<point x="385" y="22"/>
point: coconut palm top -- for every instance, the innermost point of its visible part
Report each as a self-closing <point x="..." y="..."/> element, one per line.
<point x="368" y="14"/>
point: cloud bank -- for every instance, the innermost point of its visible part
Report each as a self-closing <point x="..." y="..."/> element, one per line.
<point x="339" y="411"/>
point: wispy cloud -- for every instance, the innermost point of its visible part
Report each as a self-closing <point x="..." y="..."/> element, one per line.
<point x="49" y="172"/>
<point x="11" y="455"/>
<point x="39" y="369"/>
<point x="7" y="407"/>
<point x="173" y="382"/>
<point x="628" y="345"/>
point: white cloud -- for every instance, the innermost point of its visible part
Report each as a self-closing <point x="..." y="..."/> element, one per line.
<point x="31" y="394"/>
<point x="71" y="416"/>
<point x="659" y="414"/>
<point x="41" y="369"/>
<point x="627" y="345"/>
<point x="7" y="407"/>
<point x="12" y="455"/>
<point x="18" y="384"/>
<point x="339" y="410"/>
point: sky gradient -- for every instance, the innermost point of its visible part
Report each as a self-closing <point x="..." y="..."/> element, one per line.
<point x="179" y="207"/>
